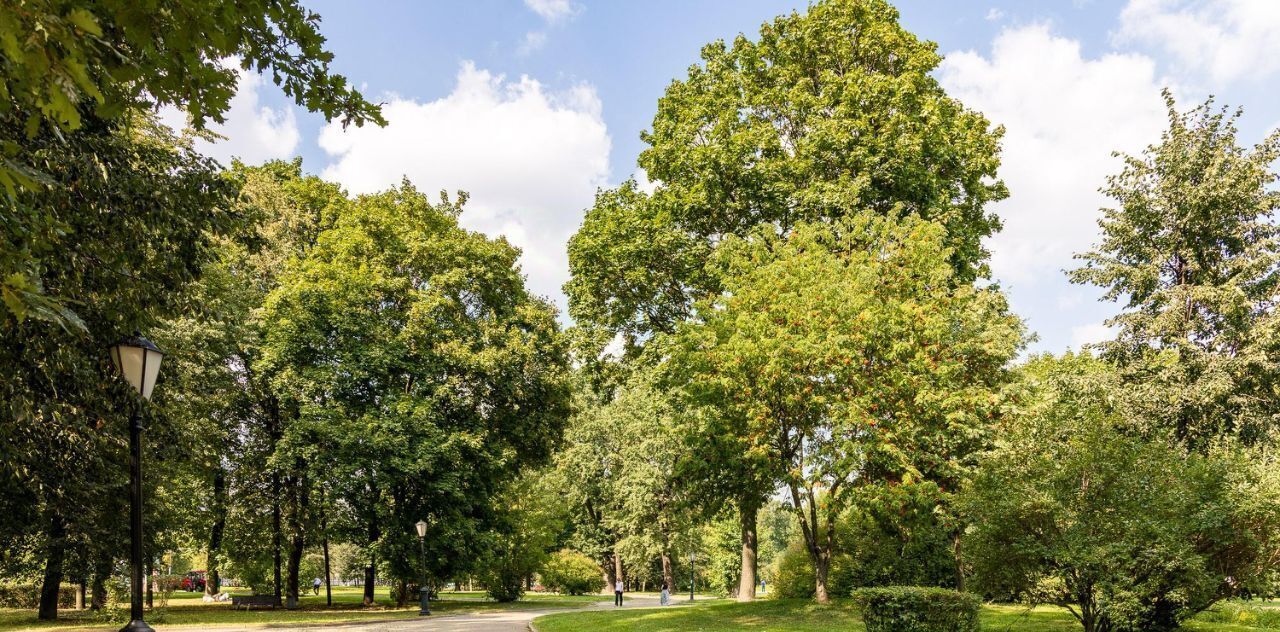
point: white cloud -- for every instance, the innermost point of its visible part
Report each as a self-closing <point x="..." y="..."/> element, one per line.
<point x="1091" y="333"/>
<point x="1064" y="115"/>
<point x="533" y="41"/>
<point x="643" y="182"/>
<point x="994" y="14"/>
<point x="552" y="10"/>
<point x="1225" y="40"/>
<point x="254" y="133"/>
<point x="531" y="159"/>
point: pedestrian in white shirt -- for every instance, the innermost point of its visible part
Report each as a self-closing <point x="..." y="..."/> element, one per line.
<point x="617" y="593"/>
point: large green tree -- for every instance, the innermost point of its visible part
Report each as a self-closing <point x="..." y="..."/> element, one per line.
<point x="1191" y="249"/>
<point x="827" y="113"/>
<point x="66" y="62"/>
<point x="841" y="359"/>
<point x="417" y="375"/>
<point x="139" y="213"/>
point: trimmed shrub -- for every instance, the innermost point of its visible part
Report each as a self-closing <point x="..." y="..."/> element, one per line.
<point x="28" y="596"/>
<point x="917" y="609"/>
<point x="571" y="573"/>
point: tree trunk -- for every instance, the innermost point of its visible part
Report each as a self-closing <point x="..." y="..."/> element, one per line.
<point x="959" y="559"/>
<point x="57" y="535"/>
<point x="608" y="572"/>
<point x="151" y="581"/>
<point x="369" y="578"/>
<point x="80" y="593"/>
<point x="275" y="503"/>
<point x="297" y="506"/>
<point x="324" y="546"/>
<point x="102" y="568"/>
<point x="821" y="569"/>
<point x="212" y="580"/>
<point x="668" y="577"/>
<point x="617" y="571"/>
<point x="747" y="583"/>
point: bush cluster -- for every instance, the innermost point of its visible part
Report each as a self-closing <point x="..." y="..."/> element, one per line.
<point x="917" y="609"/>
<point x="571" y="573"/>
<point x="28" y="596"/>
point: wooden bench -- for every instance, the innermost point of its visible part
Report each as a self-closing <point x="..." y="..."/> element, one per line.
<point x="249" y="601"/>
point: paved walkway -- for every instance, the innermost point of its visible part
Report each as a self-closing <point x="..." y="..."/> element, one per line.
<point x="503" y="621"/>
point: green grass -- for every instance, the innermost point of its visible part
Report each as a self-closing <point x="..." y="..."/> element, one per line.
<point x="187" y="609"/>
<point x="805" y="616"/>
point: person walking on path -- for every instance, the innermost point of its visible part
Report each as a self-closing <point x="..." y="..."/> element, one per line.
<point x="617" y="593"/>
<point x="665" y="599"/>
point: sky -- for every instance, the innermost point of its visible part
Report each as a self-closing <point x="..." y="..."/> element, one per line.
<point x="532" y="105"/>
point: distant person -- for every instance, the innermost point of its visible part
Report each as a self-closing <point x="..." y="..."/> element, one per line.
<point x="617" y="593"/>
<point x="666" y="595"/>
<point x="763" y="586"/>
<point x="315" y="586"/>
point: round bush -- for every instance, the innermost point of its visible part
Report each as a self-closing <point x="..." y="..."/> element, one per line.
<point x="571" y="573"/>
<point x="917" y="609"/>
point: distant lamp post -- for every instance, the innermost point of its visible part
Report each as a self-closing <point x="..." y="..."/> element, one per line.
<point x="138" y="361"/>
<point x="424" y="597"/>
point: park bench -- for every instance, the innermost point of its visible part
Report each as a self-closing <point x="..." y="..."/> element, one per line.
<point x="249" y="601"/>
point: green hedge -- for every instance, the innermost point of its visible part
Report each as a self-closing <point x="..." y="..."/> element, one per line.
<point x="28" y="596"/>
<point x="917" y="609"/>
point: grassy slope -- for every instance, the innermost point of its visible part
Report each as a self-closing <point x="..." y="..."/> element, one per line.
<point x="801" y="616"/>
<point x="187" y="609"/>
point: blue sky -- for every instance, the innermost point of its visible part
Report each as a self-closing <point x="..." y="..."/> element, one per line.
<point x="530" y="105"/>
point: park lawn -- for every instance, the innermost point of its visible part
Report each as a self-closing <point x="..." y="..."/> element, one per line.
<point x="785" y="615"/>
<point x="187" y="609"/>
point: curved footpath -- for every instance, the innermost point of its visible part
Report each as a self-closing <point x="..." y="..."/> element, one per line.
<point x="502" y="621"/>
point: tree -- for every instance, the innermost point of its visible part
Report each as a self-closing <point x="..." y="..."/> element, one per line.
<point x="1192" y="249"/>
<point x="828" y="113"/>
<point x="138" y="214"/>
<point x="532" y="519"/>
<point x="66" y="63"/>
<point x="416" y="375"/>
<point x="1127" y="532"/>
<point x="839" y="360"/>
<point x="650" y="515"/>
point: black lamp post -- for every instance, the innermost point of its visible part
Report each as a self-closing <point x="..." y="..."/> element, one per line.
<point x="424" y="596"/>
<point x="138" y="361"/>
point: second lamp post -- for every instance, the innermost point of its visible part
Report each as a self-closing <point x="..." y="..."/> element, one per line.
<point x="424" y="596"/>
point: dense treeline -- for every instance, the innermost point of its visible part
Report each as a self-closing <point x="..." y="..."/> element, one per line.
<point x="787" y="360"/>
<point x="802" y="300"/>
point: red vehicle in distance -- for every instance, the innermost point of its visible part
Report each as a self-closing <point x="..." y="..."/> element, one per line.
<point x="193" y="582"/>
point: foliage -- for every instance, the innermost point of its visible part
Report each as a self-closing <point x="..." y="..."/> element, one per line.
<point x="570" y="573"/>
<point x="532" y="520"/>
<point x="1192" y="249"/>
<point x="65" y="64"/>
<point x="900" y="536"/>
<point x="1242" y="613"/>
<point x="828" y="113"/>
<point x="133" y="214"/>
<point x="415" y="372"/>
<point x="838" y="360"/>
<point x="28" y="596"/>
<point x="917" y="609"/>
<point x="1127" y="532"/>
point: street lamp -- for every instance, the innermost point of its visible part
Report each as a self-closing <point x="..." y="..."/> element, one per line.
<point x="138" y="361"/>
<point x="424" y="597"/>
